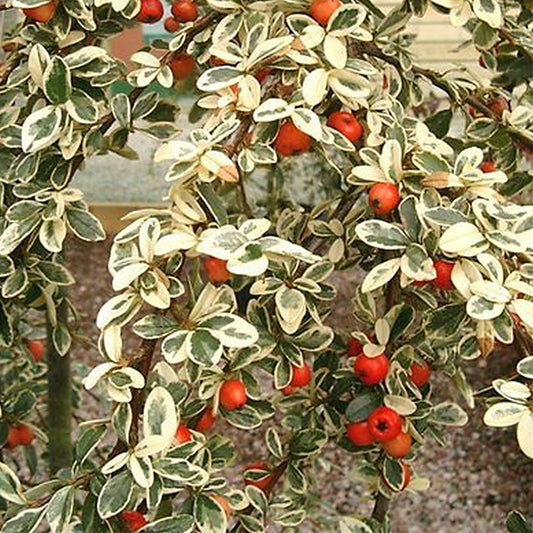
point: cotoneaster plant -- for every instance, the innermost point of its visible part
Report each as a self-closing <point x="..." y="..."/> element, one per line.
<point x="230" y="290"/>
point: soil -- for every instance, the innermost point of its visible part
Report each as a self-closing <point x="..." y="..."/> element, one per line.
<point x="475" y="480"/>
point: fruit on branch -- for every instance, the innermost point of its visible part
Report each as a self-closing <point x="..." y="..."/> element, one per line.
<point x="182" y="66"/>
<point x="26" y="435"/>
<point x="346" y="123"/>
<point x="359" y="434"/>
<point x="261" y="483"/>
<point x="301" y="375"/>
<point x="383" y="198"/>
<point x="216" y="270"/>
<point x="355" y="348"/>
<point x="134" y="520"/>
<point x="384" y="423"/>
<point x="41" y="13"/>
<point x="184" y="10"/>
<point x="399" y="446"/>
<point x="171" y="25"/>
<point x="419" y="373"/>
<point x="13" y="439"/>
<point x="488" y="166"/>
<point x="151" y="11"/>
<point x="444" y="275"/>
<point x="291" y="140"/>
<point x="233" y="394"/>
<point x="36" y="348"/>
<point x="183" y="434"/>
<point x="498" y="105"/>
<point x="322" y="10"/>
<point x="206" y="421"/>
<point x="371" y="370"/>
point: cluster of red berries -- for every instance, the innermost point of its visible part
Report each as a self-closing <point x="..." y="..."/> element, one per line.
<point x="182" y="11"/>
<point x="291" y="140"/>
<point x="19" y="435"/>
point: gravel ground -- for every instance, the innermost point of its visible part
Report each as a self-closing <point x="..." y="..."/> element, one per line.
<point x="475" y="480"/>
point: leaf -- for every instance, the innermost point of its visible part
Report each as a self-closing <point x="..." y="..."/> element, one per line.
<point x="380" y="275"/>
<point x="41" y="129"/>
<point x="182" y="523"/>
<point x="60" y="509"/>
<point x="57" y="82"/>
<point x="82" y="107"/>
<point x="383" y="235"/>
<point x="272" y="109"/>
<point x="115" y="495"/>
<point x="10" y="487"/>
<point x="209" y="516"/>
<point x="362" y="405"/>
<point x="449" y="414"/>
<point x="503" y="414"/>
<point x="463" y="239"/>
<point x="25" y="522"/>
<point x="55" y="273"/>
<point x="84" y="224"/>
<point x="160" y="416"/>
<point x="231" y="330"/>
<point x="315" y="86"/>
<point x="308" y="442"/>
<point x="154" y="326"/>
<point x="203" y="347"/>
<point x="488" y="11"/>
<point x="516" y="523"/>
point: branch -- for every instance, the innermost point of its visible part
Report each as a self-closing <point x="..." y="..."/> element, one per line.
<point x="381" y="508"/>
<point x="438" y="80"/>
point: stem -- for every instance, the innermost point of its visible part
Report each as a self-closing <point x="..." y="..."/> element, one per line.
<point x="381" y="508"/>
<point x="59" y="401"/>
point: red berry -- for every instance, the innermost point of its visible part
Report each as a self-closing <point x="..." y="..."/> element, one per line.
<point x="13" y="439"/>
<point x="25" y="435"/>
<point x="498" y="105"/>
<point x="151" y="11"/>
<point x="216" y="270"/>
<point x="233" y="394"/>
<point x="287" y="391"/>
<point x="182" y="66"/>
<point x="383" y="198"/>
<point x="444" y="275"/>
<point x="215" y="61"/>
<point x="206" y="421"/>
<point x="355" y="348"/>
<point x="371" y="370"/>
<point x="399" y="446"/>
<point x="345" y="122"/>
<point x="36" y="348"/>
<point x="41" y="13"/>
<point x="291" y="140"/>
<point x="487" y="166"/>
<point x="359" y="434"/>
<point x="301" y="375"/>
<point x="184" y="10"/>
<point x="419" y="373"/>
<point x="262" y="74"/>
<point x="322" y="10"/>
<point x="171" y="25"/>
<point x="384" y="423"/>
<point x="134" y="520"/>
<point x="183" y="434"/>
<point x="261" y="483"/>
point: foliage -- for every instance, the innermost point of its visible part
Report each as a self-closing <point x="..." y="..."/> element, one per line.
<point x="59" y="107"/>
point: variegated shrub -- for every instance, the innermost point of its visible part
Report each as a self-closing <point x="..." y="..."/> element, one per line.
<point x="235" y="199"/>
